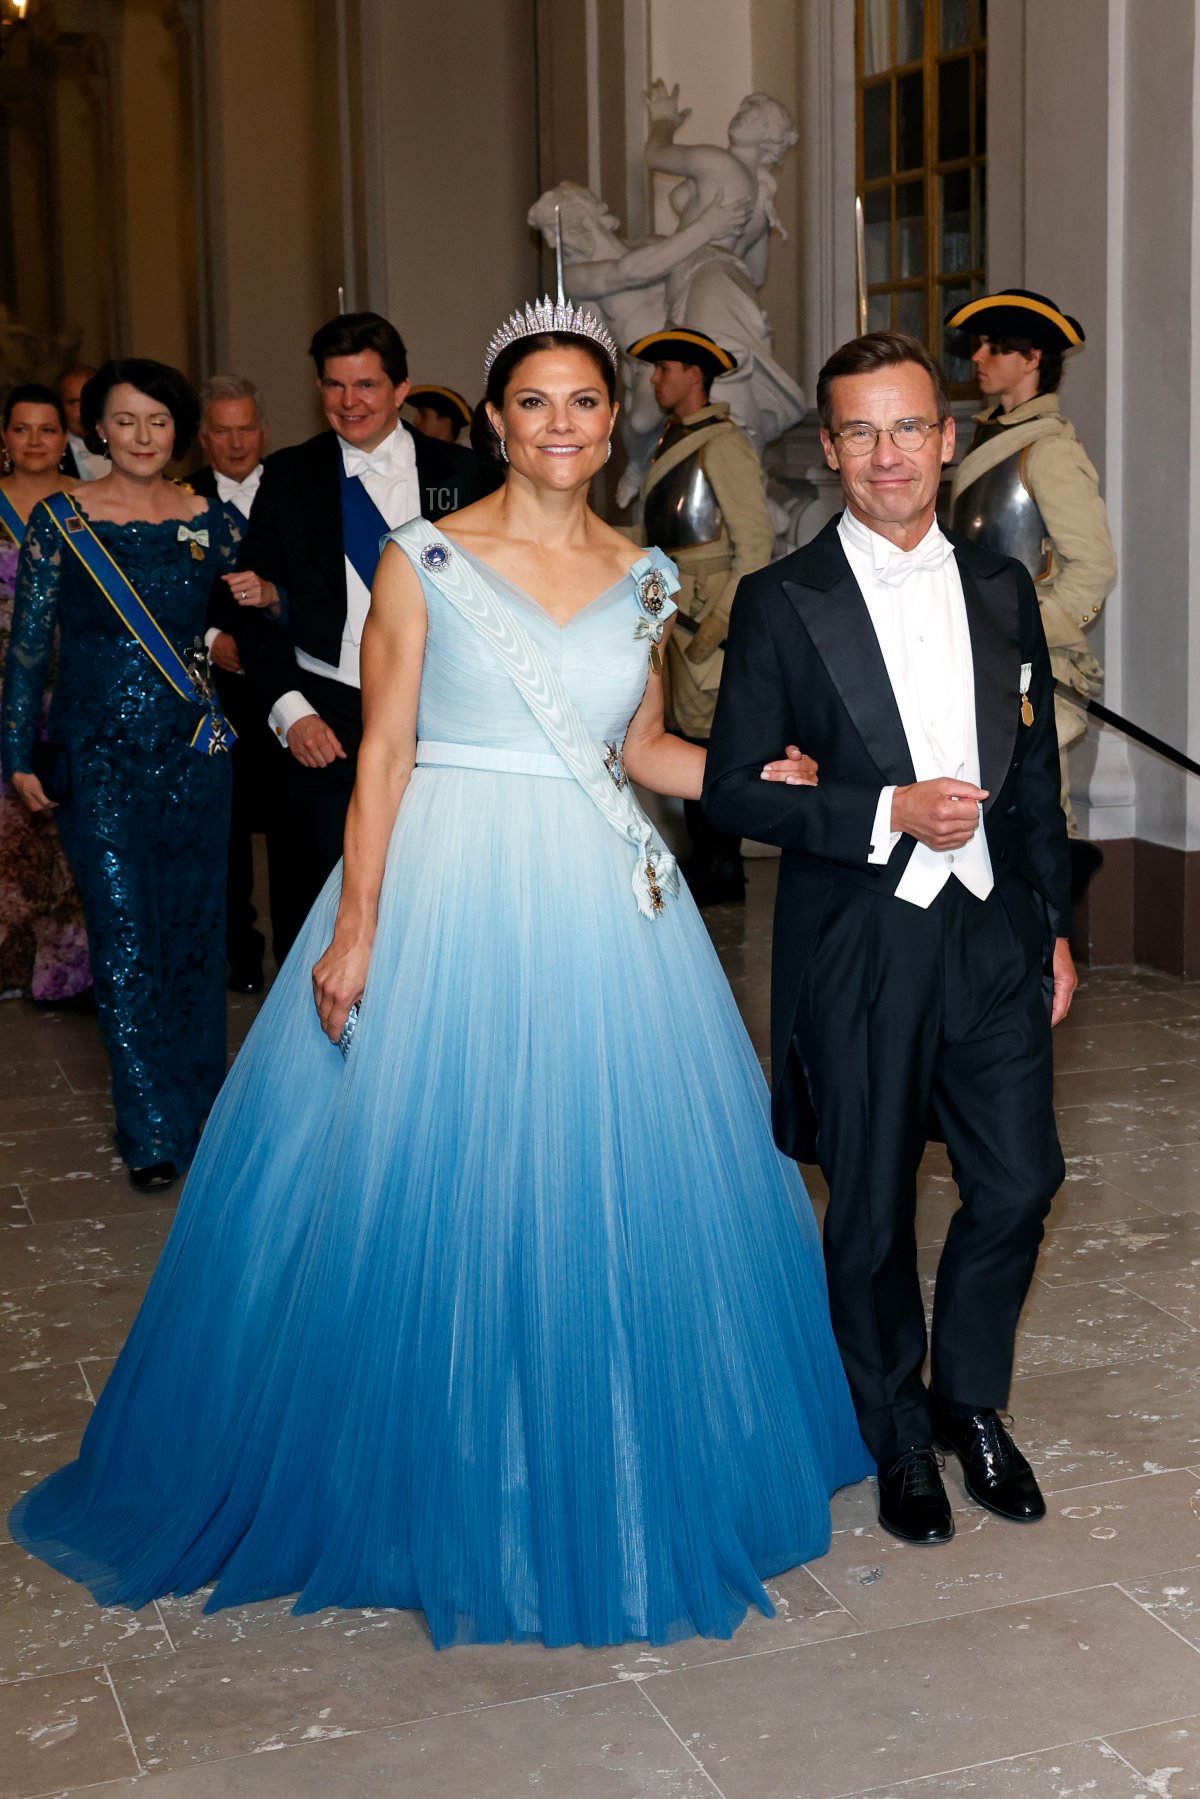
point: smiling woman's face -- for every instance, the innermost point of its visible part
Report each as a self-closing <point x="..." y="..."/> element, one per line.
<point x="556" y="419"/>
<point x="34" y="438"/>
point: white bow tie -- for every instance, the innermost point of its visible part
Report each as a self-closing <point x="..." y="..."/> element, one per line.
<point x="385" y="460"/>
<point x="902" y="563"/>
<point x="229" y="489"/>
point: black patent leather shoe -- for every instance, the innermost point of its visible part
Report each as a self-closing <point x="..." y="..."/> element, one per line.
<point x="912" y="1500"/>
<point x="154" y="1179"/>
<point x="995" y="1473"/>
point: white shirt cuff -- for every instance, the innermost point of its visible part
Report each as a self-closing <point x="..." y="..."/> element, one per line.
<point x="883" y="838"/>
<point x="210" y="637"/>
<point x="288" y="710"/>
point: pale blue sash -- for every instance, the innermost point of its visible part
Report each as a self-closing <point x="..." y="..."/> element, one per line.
<point x="540" y="686"/>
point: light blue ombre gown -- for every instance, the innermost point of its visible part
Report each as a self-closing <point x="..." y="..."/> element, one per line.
<point x="513" y="1314"/>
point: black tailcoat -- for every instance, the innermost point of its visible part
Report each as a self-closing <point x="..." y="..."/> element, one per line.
<point x="803" y="665"/>
<point x="295" y="540"/>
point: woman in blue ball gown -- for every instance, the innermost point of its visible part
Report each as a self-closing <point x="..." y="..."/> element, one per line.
<point x="512" y="1312"/>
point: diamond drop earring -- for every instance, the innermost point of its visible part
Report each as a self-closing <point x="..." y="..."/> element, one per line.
<point x="608" y="452"/>
<point x="503" y="451"/>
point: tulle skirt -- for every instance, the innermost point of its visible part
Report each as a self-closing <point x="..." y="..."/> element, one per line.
<point x="513" y="1314"/>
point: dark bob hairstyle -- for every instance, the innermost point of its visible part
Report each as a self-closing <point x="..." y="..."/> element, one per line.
<point x="350" y="333"/>
<point x="159" y="380"/>
<point x="484" y="439"/>
<point x="32" y="393"/>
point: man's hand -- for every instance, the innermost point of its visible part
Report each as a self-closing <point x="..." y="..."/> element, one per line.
<point x="725" y="218"/>
<point x="251" y="590"/>
<point x="943" y="814"/>
<point x="798" y="770"/>
<point x="224" y="655"/>
<point x="1065" y="981"/>
<point x="313" y="743"/>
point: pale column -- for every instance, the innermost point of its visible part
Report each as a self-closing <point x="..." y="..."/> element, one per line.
<point x="458" y="172"/>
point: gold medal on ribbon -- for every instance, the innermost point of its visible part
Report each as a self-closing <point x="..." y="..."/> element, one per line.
<point x="1026" y="703"/>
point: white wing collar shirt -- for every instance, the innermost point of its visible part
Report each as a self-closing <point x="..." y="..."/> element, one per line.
<point x="239" y="493"/>
<point x="389" y="474"/>
<point x="915" y="602"/>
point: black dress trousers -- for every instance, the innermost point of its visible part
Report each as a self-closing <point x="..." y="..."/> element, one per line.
<point x="908" y="1013"/>
<point x="320" y="797"/>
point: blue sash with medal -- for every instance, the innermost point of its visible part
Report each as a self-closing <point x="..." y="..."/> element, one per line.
<point x="191" y="680"/>
<point x="11" y="519"/>
<point x="363" y="527"/>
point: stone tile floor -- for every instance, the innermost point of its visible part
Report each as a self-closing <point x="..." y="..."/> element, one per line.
<point x="1049" y="1662"/>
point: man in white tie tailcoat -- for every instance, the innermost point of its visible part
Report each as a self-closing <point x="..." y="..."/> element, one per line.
<point x="309" y="558"/>
<point x="920" y="954"/>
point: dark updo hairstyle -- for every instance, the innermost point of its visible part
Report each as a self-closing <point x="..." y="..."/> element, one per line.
<point x="32" y="393"/>
<point x="156" y="379"/>
<point x="485" y="440"/>
<point x="351" y="333"/>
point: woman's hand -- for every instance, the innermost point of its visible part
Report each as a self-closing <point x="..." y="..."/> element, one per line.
<point x="33" y="793"/>
<point x="797" y="770"/>
<point x="338" y="981"/>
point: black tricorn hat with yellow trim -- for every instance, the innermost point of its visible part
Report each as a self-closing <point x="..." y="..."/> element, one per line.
<point x="451" y="405"/>
<point x="1018" y="312"/>
<point x="677" y="343"/>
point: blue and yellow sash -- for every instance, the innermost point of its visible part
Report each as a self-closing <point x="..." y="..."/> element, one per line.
<point x="10" y="518"/>
<point x="190" y="681"/>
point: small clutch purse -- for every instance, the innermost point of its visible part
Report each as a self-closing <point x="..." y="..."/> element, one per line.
<point x="51" y="763"/>
<point x="348" y="1030"/>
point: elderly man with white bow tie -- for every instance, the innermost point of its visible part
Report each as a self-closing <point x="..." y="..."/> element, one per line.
<point x="311" y="553"/>
<point x="921" y="951"/>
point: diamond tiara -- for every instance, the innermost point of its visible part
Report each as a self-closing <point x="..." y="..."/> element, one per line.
<point x="551" y="315"/>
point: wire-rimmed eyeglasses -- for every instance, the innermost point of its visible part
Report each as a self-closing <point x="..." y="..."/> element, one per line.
<point x="860" y="439"/>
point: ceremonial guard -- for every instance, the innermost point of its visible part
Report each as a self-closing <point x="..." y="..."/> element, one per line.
<point x="702" y="502"/>
<point x="439" y="411"/>
<point x="1027" y="489"/>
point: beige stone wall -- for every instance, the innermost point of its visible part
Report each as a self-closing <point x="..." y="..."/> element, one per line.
<point x="154" y="188"/>
<point x="458" y="168"/>
<point x="271" y="120"/>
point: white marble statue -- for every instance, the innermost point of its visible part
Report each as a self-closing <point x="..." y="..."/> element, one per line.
<point x="627" y="282"/>
<point x="714" y="287"/>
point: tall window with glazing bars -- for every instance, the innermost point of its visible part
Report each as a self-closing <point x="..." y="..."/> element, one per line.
<point x="922" y="163"/>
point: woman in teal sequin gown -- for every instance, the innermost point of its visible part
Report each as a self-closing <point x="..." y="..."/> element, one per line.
<point x="513" y="1313"/>
<point x="145" y="826"/>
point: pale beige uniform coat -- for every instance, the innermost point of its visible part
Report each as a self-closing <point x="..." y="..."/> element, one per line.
<point x="709" y="572"/>
<point x="1080" y="565"/>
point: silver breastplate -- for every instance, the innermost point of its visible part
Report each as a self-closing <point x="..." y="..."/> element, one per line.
<point x="681" y="510"/>
<point x="999" y="512"/>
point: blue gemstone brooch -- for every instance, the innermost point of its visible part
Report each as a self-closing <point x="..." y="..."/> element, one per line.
<point x="434" y="557"/>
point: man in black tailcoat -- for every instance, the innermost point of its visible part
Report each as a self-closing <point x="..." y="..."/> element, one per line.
<point x="310" y="556"/>
<point x="233" y="436"/>
<point x="921" y="951"/>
